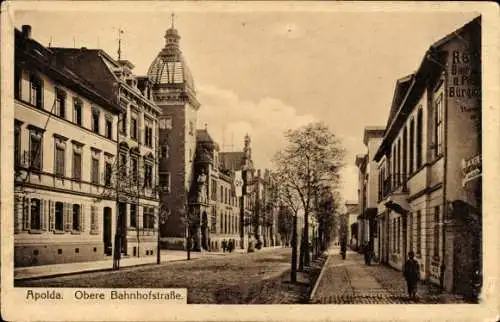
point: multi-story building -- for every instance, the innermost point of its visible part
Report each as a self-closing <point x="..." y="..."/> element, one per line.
<point x="217" y="196"/>
<point x="241" y="164"/>
<point x="265" y="215"/>
<point x="350" y="223"/>
<point x="432" y="140"/>
<point x="65" y="136"/>
<point x="136" y="168"/>
<point x="175" y="93"/>
<point x="368" y="190"/>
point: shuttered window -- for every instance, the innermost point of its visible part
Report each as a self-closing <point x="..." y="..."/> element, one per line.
<point x="94" y="220"/>
<point x="36" y="214"/>
<point x="59" y="216"/>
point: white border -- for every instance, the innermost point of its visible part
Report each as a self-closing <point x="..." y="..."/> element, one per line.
<point x="14" y="309"/>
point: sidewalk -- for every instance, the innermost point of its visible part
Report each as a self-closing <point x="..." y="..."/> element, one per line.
<point x="351" y="281"/>
<point x="21" y="273"/>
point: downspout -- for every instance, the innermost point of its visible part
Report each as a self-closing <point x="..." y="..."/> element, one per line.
<point x="445" y="163"/>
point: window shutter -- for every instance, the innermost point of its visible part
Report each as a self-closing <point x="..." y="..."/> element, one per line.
<point x="44" y="214"/>
<point x="52" y="219"/>
<point x="68" y="216"/>
<point x="18" y="214"/>
<point x="93" y="219"/>
<point x="82" y="217"/>
<point x="26" y="213"/>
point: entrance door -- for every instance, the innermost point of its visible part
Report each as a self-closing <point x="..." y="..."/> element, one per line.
<point x="106" y="234"/>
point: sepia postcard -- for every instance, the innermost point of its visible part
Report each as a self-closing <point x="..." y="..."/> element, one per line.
<point x="249" y="161"/>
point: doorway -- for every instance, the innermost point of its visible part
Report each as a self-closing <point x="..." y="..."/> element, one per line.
<point x="106" y="234"/>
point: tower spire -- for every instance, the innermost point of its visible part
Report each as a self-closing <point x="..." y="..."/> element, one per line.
<point x="172" y="15"/>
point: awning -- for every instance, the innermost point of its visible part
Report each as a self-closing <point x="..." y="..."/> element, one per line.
<point x="398" y="203"/>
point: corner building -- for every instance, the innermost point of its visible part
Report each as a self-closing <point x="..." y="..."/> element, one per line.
<point x="429" y="161"/>
<point x="174" y="92"/>
<point x="65" y="132"/>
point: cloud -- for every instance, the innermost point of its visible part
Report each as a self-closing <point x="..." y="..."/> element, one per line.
<point x="229" y="118"/>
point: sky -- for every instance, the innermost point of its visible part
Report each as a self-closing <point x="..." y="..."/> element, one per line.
<point x="262" y="72"/>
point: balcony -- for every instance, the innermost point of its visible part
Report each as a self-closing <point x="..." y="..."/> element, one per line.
<point x="394" y="183"/>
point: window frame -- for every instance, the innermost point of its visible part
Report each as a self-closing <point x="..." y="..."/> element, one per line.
<point x="60" y="102"/>
<point x="36" y="135"/>
<point x="95" y="167"/>
<point x="78" y="111"/>
<point x="59" y="152"/>
<point x="38" y="216"/>
<point x="36" y="86"/>
<point x="438" y="125"/>
<point x="96" y="120"/>
<point x="77" y="150"/>
<point x="56" y="229"/>
<point x="76" y="213"/>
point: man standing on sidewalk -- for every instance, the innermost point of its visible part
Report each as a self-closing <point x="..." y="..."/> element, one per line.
<point x="411" y="272"/>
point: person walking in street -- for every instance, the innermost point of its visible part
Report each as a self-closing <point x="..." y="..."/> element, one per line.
<point x="343" y="248"/>
<point x="411" y="273"/>
<point x="224" y="245"/>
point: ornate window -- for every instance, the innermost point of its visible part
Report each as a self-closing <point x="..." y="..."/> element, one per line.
<point x="60" y="155"/>
<point x="36" y="91"/>
<point x="96" y="156"/>
<point x="438" y="125"/>
<point x="148" y="175"/>
<point x="60" y="102"/>
<point x="59" y="216"/>
<point x="36" y="214"/>
<point x="96" y="119"/>
<point x="420" y="134"/>
<point x="77" y="217"/>
<point x="36" y="148"/>
<point x="77" y="160"/>
<point x="77" y="110"/>
<point x="133" y="215"/>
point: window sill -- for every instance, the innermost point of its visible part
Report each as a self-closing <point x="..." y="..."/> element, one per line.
<point x="35" y="231"/>
<point x="94" y="233"/>
<point x="75" y="232"/>
<point x="59" y="232"/>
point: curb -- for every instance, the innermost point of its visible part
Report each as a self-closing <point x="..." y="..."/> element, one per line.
<point x="91" y="270"/>
<point x="319" y="278"/>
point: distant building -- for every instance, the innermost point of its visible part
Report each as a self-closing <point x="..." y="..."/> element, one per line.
<point x="351" y="223"/>
<point x="65" y="138"/>
<point x="241" y="164"/>
<point x="368" y="189"/>
<point x="430" y="164"/>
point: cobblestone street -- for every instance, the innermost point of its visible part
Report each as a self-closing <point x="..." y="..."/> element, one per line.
<point x="249" y="278"/>
<point x="350" y="281"/>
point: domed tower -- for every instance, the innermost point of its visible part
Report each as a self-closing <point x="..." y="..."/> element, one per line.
<point x="174" y="92"/>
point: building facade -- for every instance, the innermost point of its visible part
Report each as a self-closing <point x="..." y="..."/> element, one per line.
<point x="430" y="164"/>
<point x="174" y="92"/>
<point x="350" y="223"/>
<point x="368" y="191"/>
<point x="65" y="135"/>
<point x="135" y="170"/>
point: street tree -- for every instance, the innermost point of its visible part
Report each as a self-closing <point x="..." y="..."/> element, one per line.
<point x="311" y="158"/>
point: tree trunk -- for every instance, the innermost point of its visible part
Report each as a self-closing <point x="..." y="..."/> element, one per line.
<point x="293" y="272"/>
<point x="307" y="257"/>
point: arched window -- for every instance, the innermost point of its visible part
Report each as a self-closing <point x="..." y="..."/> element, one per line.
<point x="405" y="153"/>
<point x="419" y="138"/>
<point x="412" y="144"/>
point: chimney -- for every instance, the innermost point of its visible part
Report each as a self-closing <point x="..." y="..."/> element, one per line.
<point x="26" y="31"/>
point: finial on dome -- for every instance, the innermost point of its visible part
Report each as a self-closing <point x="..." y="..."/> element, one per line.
<point x="172" y="15"/>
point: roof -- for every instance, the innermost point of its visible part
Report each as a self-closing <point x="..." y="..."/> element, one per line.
<point x="98" y="67"/>
<point x="410" y="87"/>
<point x="232" y="160"/>
<point x="28" y="52"/>
<point x="203" y="136"/>
<point x="169" y="67"/>
<point x="373" y="132"/>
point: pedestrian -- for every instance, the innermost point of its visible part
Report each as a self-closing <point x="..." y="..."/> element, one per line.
<point x="343" y="249"/>
<point x="224" y="245"/>
<point x="411" y="273"/>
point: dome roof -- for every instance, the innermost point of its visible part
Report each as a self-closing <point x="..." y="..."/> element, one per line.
<point x="169" y="67"/>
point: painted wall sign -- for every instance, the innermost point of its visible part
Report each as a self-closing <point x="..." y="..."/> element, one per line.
<point x="471" y="168"/>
